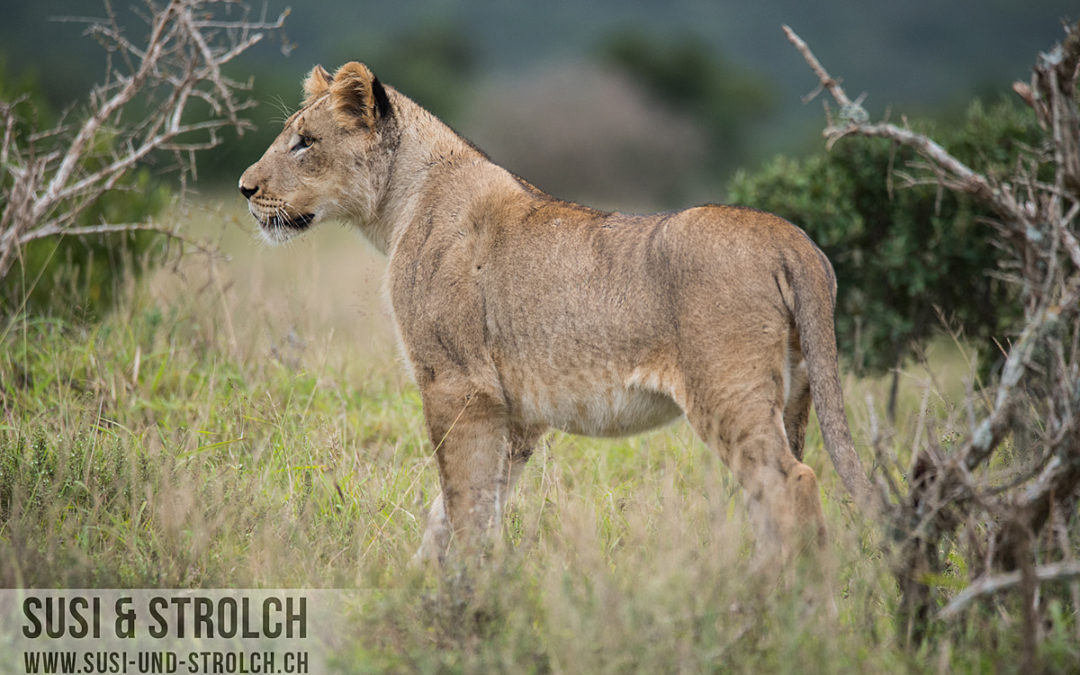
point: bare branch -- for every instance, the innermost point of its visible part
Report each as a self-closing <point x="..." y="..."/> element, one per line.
<point x="827" y="81"/>
<point x="1061" y="571"/>
<point x="54" y="228"/>
<point x="179" y="61"/>
<point x="106" y="110"/>
<point x="959" y="176"/>
<point x="1033" y="409"/>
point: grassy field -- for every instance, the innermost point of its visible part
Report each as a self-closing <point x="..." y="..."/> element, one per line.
<point x="246" y="423"/>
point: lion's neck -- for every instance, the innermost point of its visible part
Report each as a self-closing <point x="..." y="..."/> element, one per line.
<point x="428" y="157"/>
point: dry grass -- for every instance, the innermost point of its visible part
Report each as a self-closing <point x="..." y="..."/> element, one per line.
<point x="246" y="423"/>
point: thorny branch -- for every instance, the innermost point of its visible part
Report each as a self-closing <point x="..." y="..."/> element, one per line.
<point x="1034" y="409"/>
<point x="144" y="106"/>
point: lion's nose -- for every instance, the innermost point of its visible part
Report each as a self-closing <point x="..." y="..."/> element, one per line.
<point x="247" y="191"/>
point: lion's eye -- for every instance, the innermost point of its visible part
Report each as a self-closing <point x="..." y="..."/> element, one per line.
<point x="303" y="141"/>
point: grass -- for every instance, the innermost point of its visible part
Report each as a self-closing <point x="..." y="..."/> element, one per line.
<point x="247" y="423"/>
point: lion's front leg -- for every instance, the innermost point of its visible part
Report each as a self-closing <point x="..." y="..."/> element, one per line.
<point x="436" y="541"/>
<point x="473" y="447"/>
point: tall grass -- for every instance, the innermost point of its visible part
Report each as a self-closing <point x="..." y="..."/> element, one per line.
<point x="246" y="423"/>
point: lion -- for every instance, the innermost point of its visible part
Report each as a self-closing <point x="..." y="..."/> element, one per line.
<point x="518" y="312"/>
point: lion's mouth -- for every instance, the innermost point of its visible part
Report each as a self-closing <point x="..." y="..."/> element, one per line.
<point x="280" y="222"/>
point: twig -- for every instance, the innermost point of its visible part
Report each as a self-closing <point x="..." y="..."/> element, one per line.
<point x="988" y="585"/>
<point x="827" y="81"/>
<point x="112" y="228"/>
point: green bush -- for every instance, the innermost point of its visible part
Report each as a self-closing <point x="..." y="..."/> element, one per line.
<point x="902" y="254"/>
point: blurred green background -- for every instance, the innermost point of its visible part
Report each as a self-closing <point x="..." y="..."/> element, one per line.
<point x="630" y="103"/>
<point x="639" y="106"/>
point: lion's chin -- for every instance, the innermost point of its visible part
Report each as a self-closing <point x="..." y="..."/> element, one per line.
<point x="277" y="229"/>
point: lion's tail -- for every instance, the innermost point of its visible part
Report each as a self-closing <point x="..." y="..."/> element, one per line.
<point x="813" y="312"/>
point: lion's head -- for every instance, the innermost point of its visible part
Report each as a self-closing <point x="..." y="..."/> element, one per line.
<point x="326" y="162"/>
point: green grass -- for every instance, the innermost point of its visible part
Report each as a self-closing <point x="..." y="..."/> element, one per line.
<point x="247" y="424"/>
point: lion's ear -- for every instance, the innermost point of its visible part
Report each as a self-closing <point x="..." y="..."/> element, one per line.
<point x="357" y="97"/>
<point x="316" y="84"/>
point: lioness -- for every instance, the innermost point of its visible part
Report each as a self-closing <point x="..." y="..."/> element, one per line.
<point x="518" y="312"/>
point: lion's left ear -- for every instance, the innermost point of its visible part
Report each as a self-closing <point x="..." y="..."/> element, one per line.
<point x="316" y="84"/>
<point x="357" y="97"/>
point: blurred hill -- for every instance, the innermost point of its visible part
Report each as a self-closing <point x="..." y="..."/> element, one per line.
<point x="504" y="73"/>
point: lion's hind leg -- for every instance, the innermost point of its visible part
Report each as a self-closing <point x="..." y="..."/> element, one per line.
<point x="797" y="401"/>
<point x="748" y="431"/>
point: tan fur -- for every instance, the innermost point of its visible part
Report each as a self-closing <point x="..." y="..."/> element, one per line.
<point x="519" y="312"/>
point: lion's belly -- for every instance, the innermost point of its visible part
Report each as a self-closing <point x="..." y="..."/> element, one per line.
<point x="595" y="408"/>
